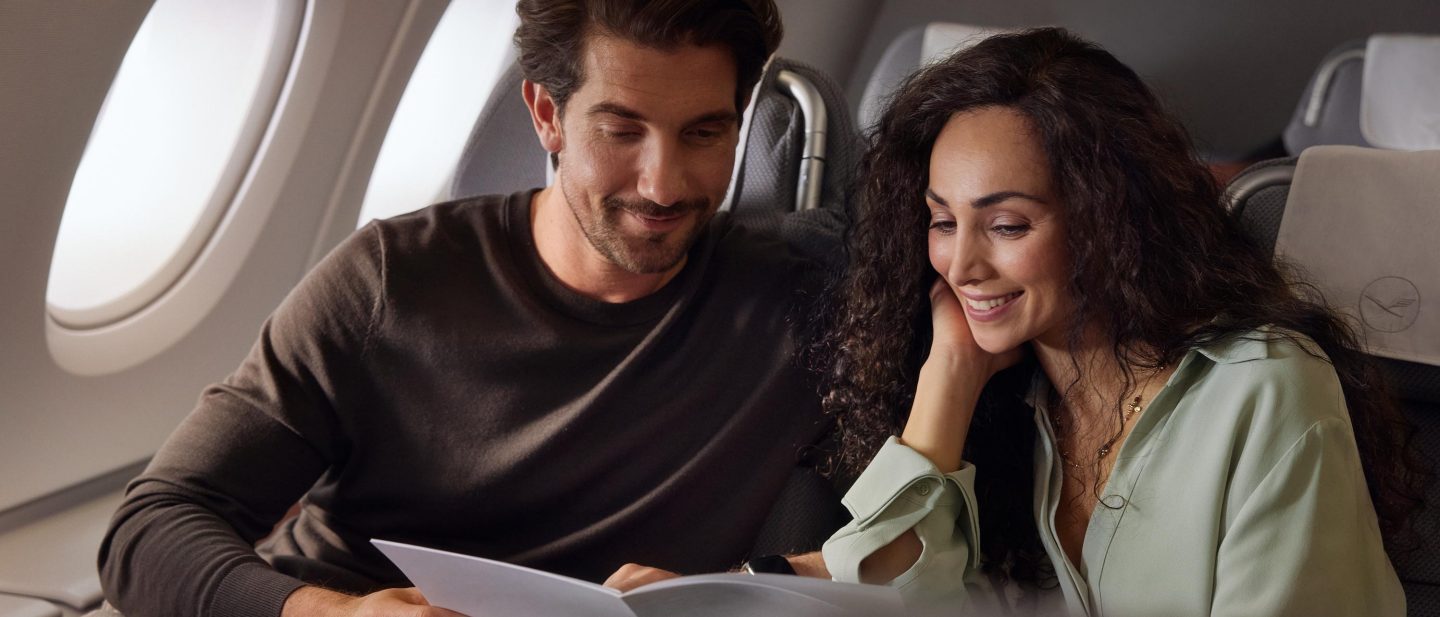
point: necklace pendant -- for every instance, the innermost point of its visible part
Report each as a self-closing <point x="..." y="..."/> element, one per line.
<point x="1103" y="451"/>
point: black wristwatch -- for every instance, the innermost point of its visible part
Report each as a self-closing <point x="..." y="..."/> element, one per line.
<point x="768" y="564"/>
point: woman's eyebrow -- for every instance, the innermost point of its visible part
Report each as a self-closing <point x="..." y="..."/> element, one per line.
<point x="988" y="200"/>
<point x="997" y="197"/>
<point x="930" y="193"/>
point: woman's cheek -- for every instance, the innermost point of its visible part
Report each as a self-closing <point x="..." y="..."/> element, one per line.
<point x="939" y="253"/>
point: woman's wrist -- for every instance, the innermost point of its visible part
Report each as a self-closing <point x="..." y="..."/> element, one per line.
<point x="969" y="363"/>
<point x="939" y="419"/>
<point x="953" y="375"/>
<point x="948" y="357"/>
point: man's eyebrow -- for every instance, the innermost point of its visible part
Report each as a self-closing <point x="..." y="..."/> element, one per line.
<point x="988" y="200"/>
<point x="614" y="109"/>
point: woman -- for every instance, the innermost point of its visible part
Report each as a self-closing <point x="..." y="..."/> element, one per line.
<point x="1183" y="432"/>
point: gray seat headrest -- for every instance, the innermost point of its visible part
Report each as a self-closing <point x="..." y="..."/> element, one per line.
<point x="1395" y="90"/>
<point x="502" y="154"/>
<point x="914" y="48"/>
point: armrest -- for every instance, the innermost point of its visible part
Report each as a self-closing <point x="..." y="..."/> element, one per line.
<point x="53" y="558"/>
<point x="13" y="606"/>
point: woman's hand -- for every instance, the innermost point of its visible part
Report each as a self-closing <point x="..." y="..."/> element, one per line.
<point x="950" y="382"/>
<point x="631" y="575"/>
<point x="945" y="398"/>
<point x="953" y="341"/>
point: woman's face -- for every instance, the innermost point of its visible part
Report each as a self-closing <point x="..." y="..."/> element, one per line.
<point x="996" y="229"/>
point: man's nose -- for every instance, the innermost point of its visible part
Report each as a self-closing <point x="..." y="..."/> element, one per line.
<point x="662" y="173"/>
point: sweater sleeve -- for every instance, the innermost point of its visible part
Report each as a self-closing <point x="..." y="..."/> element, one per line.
<point x="182" y="542"/>
<point x="901" y="490"/>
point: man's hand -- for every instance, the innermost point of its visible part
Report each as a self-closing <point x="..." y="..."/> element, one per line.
<point x="317" y="602"/>
<point x="631" y="575"/>
<point x="809" y="564"/>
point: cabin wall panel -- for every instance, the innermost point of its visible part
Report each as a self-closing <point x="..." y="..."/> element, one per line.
<point x="827" y="33"/>
<point x="1232" y="69"/>
<point x="57" y="428"/>
<point x="56" y="64"/>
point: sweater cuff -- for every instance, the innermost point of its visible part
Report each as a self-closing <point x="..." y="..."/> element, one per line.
<point x="252" y="590"/>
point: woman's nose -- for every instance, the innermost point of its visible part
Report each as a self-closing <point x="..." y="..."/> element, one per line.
<point x="967" y="260"/>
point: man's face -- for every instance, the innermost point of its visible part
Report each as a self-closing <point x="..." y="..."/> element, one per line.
<point x="648" y="145"/>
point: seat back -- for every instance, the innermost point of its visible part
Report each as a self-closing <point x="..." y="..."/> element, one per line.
<point x="800" y="148"/>
<point x="913" y="48"/>
<point x="1364" y="84"/>
<point x="1259" y="197"/>
<point x="798" y="144"/>
<point x="502" y="154"/>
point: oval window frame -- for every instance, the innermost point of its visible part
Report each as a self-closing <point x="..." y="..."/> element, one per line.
<point x="390" y="190"/>
<point x="178" y="307"/>
<point x="286" y="30"/>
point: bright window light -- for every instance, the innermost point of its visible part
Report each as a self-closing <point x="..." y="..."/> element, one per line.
<point x="175" y="137"/>
<point x="444" y="97"/>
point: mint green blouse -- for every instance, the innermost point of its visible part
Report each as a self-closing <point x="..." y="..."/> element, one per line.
<point x="1239" y="492"/>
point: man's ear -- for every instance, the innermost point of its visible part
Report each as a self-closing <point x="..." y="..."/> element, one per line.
<point x="545" y="114"/>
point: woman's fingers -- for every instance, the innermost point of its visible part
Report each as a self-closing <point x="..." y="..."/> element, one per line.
<point x="953" y="337"/>
<point x="631" y="575"/>
<point x="948" y="317"/>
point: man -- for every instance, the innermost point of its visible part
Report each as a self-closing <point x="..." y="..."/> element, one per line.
<point x="596" y="373"/>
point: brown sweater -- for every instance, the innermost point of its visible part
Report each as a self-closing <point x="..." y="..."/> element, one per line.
<point x="431" y="382"/>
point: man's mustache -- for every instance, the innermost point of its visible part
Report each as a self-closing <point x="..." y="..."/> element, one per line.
<point x="650" y="209"/>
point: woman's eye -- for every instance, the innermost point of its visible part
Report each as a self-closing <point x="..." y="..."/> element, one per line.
<point x="944" y="227"/>
<point x="1010" y="230"/>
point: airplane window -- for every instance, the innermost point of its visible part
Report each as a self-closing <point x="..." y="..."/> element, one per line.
<point x="177" y="132"/>
<point x="444" y="97"/>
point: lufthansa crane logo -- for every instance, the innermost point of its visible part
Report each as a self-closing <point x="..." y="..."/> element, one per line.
<point x="1390" y="304"/>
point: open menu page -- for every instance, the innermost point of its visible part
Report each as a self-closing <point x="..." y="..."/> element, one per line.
<point x="479" y="587"/>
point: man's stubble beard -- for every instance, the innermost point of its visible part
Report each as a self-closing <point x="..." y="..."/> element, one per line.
<point x="649" y="254"/>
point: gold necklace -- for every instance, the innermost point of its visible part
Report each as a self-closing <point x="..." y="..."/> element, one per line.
<point x="1104" y="450"/>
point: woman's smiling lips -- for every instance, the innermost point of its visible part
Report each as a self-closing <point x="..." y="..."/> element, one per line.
<point x="988" y="307"/>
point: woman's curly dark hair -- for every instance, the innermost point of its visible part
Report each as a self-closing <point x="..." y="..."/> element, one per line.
<point x="1159" y="266"/>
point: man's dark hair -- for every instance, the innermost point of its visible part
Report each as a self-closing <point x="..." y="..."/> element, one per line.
<point x="552" y="35"/>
